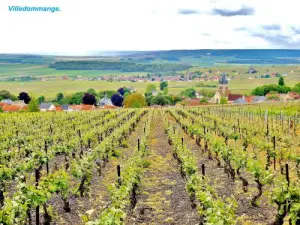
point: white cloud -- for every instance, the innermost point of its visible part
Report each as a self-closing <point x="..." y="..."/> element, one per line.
<point x="93" y="25"/>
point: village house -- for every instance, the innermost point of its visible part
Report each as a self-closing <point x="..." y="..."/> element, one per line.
<point x="259" y="99"/>
<point x="252" y="70"/>
<point x="192" y="101"/>
<point x="7" y="101"/>
<point x="46" y="107"/>
<point x="66" y="108"/>
<point x="294" y="95"/>
<point x="14" y="108"/>
<point x="240" y="101"/>
<point x="234" y="97"/>
<point x="105" y="101"/>
<point x="82" y="107"/>
<point x="224" y="92"/>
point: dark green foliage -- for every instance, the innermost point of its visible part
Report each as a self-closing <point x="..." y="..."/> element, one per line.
<point x="59" y="97"/>
<point x="161" y="100"/>
<point x="41" y="99"/>
<point x="92" y="91"/>
<point x="7" y="95"/>
<point x="296" y="88"/>
<point x="163" y="85"/>
<point x="265" y="89"/>
<point x="89" y="99"/>
<point x="204" y="100"/>
<point x="108" y="93"/>
<point x="75" y="99"/>
<point x="117" y="100"/>
<point x="25" y="97"/>
<point x="189" y="92"/>
<point x="281" y="81"/>
<point x="121" y="66"/>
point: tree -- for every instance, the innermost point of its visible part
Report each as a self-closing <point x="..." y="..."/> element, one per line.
<point x="203" y="101"/>
<point x="33" y="105"/>
<point x="108" y="93"/>
<point x="4" y="94"/>
<point x="160" y="100"/>
<point x="265" y="89"/>
<point x="59" y="97"/>
<point x="223" y="101"/>
<point x="41" y="99"/>
<point x="92" y="91"/>
<point x="89" y="99"/>
<point x="189" y="92"/>
<point x="122" y="91"/>
<point x="135" y="100"/>
<point x="25" y="97"/>
<point x="150" y="88"/>
<point x="76" y="98"/>
<point x="296" y="88"/>
<point x="281" y="81"/>
<point x="163" y="85"/>
<point x="117" y="100"/>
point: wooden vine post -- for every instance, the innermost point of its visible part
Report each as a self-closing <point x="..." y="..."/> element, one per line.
<point x="274" y="148"/>
<point x="119" y="175"/>
<point x="203" y="170"/>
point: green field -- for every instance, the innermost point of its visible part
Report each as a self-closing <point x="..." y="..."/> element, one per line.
<point x="8" y="70"/>
<point x="50" y="88"/>
<point x="239" y="83"/>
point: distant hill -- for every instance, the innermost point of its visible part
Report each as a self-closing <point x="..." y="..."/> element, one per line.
<point x="206" y="57"/>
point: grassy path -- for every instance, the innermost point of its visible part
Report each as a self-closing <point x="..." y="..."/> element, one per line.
<point x="226" y="187"/>
<point x="98" y="198"/>
<point x="162" y="198"/>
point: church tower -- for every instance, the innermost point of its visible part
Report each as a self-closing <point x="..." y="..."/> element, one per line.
<point x="223" y="84"/>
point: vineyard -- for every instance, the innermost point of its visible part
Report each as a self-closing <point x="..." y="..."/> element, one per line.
<point x="208" y="165"/>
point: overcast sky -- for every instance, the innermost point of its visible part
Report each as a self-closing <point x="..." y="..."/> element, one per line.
<point x="83" y="26"/>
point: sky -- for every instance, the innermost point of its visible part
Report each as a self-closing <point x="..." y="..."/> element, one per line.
<point x="88" y="26"/>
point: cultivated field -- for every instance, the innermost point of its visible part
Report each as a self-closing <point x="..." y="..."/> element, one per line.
<point x="215" y="165"/>
<point x="54" y="84"/>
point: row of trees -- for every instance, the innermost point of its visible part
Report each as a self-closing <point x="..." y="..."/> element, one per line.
<point x="121" y="97"/>
<point x="117" y="65"/>
<point x="279" y="88"/>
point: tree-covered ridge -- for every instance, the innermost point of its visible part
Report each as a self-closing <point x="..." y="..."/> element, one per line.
<point x="121" y="66"/>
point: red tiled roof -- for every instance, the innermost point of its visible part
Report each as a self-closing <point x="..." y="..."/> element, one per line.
<point x="110" y="107"/>
<point x="82" y="107"/>
<point x="233" y="97"/>
<point x="13" y="108"/>
<point x="249" y="99"/>
<point x="58" y="108"/>
<point x="294" y="95"/>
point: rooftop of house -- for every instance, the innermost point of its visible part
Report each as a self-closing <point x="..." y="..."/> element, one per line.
<point x="259" y="98"/>
<point x="45" y="105"/>
<point x="82" y="107"/>
<point x="249" y="99"/>
<point x="7" y="101"/>
<point x="105" y="101"/>
<point x="59" y="108"/>
<point x="13" y="108"/>
<point x="234" y="97"/>
<point x="240" y="101"/>
<point x="65" y="106"/>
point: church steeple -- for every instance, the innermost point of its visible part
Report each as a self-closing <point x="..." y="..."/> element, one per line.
<point x="223" y="83"/>
<point x="223" y="79"/>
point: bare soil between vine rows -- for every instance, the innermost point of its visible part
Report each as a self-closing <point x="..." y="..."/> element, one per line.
<point x="162" y="198"/>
